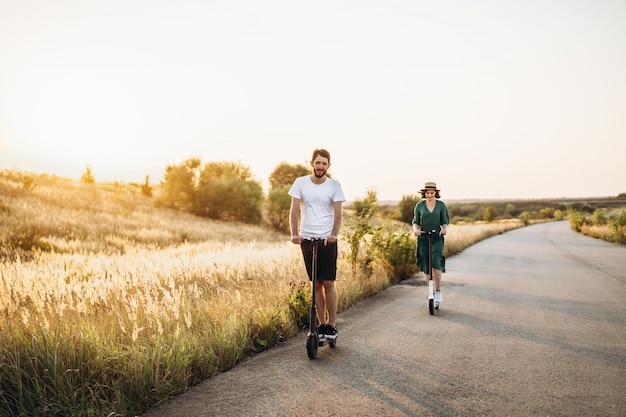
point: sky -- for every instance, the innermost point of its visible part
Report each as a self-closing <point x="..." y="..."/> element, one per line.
<point x="491" y="99"/>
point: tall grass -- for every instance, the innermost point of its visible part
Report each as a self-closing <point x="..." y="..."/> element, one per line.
<point x="117" y="304"/>
<point x="461" y="236"/>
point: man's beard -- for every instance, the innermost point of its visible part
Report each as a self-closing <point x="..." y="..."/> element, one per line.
<point x="317" y="173"/>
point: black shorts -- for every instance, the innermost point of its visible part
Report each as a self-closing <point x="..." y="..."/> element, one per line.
<point x="326" y="260"/>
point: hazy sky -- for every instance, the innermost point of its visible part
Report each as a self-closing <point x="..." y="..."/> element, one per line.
<point x="490" y="99"/>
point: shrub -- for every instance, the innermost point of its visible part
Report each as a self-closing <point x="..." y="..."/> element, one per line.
<point x="299" y="303"/>
<point x="526" y="217"/>
<point x="146" y="188"/>
<point x="546" y="213"/>
<point x="617" y="228"/>
<point x="87" y="176"/>
<point x="394" y="247"/>
<point x="510" y="210"/>
<point x="278" y="206"/>
<point x="576" y="219"/>
<point x="599" y="219"/>
<point x="366" y="207"/>
<point x="490" y="214"/>
<point x="356" y="230"/>
<point x="406" y="208"/>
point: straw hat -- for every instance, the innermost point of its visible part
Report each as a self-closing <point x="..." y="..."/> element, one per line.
<point x="430" y="186"/>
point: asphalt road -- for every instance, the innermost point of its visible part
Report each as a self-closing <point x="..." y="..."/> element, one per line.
<point x="533" y="323"/>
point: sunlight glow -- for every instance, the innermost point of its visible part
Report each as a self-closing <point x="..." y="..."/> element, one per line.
<point x="464" y="94"/>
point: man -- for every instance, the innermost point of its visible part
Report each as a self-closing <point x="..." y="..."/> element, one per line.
<point x="316" y="203"/>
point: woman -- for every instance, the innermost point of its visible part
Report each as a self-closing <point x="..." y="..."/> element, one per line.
<point x="431" y="214"/>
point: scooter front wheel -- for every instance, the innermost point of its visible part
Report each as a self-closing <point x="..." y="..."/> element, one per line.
<point x="311" y="345"/>
<point x="431" y="306"/>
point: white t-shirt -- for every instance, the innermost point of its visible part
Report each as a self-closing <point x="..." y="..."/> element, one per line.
<point x="317" y="215"/>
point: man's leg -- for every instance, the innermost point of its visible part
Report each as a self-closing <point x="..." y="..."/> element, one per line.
<point x="320" y="302"/>
<point x="331" y="301"/>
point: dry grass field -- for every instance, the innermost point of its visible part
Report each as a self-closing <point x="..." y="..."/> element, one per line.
<point x="109" y="303"/>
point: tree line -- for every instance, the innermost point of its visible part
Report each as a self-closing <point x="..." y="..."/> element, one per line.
<point x="228" y="191"/>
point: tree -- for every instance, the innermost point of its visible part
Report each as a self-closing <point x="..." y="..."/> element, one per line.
<point x="510" y="210"/>
<point x="279" y="202"/>
<point x="87" y="176"/>
<point x="490" y="214"/>
<point x="286" y="174"/>
<point x="406" y="207"/>
<point x="179" y="184"/>
<point x="146" y="188"/>
<point x="226" y="191"/>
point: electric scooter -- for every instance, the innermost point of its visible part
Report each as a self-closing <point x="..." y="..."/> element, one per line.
<point x="432" y="303"/>
<point x="313" y="340"/>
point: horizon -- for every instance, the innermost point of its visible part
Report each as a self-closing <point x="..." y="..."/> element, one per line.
<point x="519" y="101"/>
<point x="348" y="201"/>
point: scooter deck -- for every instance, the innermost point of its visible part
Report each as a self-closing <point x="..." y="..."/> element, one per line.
<point x="436" y="303"/>
<point x="324" y="340"/>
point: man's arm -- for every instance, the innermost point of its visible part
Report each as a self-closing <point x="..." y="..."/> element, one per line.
<point x="338" y="219"/>
<point x="294" y="217"/>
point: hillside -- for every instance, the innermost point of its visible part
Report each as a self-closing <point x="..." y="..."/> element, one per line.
<point x="51" y="213"/>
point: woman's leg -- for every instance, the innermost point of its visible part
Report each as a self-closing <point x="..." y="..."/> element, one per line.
<point x="436" y="278"/>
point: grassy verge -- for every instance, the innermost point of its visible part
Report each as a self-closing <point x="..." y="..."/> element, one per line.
<point x="112" y="306"/>
<point x="609" y="225"/>
<point x="116" y="334"/>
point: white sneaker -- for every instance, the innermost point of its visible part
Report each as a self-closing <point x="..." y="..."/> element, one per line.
<point x="438" y="296"/>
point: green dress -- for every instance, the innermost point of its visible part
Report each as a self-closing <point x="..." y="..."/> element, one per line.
<point x="428" y="220"/>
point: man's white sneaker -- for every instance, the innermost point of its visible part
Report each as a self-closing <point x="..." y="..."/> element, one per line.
<point x="438" y="296"/>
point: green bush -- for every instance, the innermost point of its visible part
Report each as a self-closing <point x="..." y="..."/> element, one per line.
<point x="546" y="213"/>
<point x="617" y="228"/>
<point x="406" y="208"/>
<point x="278" y="206"/>
<point x="576" y="219"/>
<point x="394" y="247"/>
<point x="490" y="213"/>
<point x="526" y="217"/>
<point x="511" y="210"/>
<point x="354" y="234"/>
<point x="599" y="219"/>
<point x="356" y="229"/>
<point x="299" y="303"/>
<point x="366" y="207"/>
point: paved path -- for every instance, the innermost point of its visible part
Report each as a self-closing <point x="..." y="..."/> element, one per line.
<point x="533" y="324"/>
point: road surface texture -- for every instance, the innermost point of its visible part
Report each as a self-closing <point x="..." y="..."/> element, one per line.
<point x="533" y="323"/>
